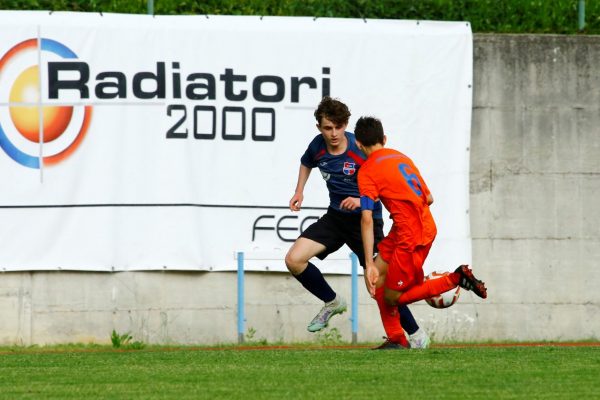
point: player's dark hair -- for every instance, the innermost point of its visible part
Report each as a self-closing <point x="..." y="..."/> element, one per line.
<point x="332" y="109"/>
<point x="369" y="131"/>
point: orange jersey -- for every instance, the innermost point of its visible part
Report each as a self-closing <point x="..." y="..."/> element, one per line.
<point x="393" y="178"/>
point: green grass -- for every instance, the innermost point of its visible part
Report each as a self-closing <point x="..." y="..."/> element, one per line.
<point x="544" y="372"/>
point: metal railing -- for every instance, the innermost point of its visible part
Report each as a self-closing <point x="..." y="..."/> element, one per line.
<point x="581" y="15"/>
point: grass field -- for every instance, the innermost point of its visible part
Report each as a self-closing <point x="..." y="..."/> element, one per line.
<point x="460" y="372"/>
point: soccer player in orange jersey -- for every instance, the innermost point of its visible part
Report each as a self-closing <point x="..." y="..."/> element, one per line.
<point x="396" y="275"/>
<point x="335" y="153"/>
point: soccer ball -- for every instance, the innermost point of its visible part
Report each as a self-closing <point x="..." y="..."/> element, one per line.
<point x="445" y="299"/>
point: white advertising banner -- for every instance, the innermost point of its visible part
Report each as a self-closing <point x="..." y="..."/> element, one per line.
<point x="132" y="142"/>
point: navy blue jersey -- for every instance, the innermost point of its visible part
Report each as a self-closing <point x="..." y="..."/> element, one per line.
<point x="339" y="171"/>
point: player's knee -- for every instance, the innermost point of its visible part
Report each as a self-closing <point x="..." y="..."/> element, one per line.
<point x="294" y="263"/>
<point x="391" y="297"/>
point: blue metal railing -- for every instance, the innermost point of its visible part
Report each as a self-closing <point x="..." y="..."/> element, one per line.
<point x="240" y="294"/>
<point x="581" y="15"/>
<point x="354" y="317"/>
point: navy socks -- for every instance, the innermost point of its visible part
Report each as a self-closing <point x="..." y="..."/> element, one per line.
<point x="312" y="279"/>
<point x="407" y="320"/>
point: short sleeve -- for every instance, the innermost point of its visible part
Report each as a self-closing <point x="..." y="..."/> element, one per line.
<point x="309" y="158"/>
<point x="366" y="185"/>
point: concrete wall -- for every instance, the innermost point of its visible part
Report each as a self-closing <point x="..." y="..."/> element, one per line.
<point x="535" y="220"/>
<point x="535" y="185"/>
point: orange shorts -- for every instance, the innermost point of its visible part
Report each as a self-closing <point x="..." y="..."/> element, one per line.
<point x="405" y="268"/>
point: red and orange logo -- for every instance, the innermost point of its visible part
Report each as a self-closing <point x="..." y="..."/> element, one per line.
<point x="33" y="132"/>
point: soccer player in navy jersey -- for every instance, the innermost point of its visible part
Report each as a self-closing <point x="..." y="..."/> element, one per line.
<point x="335" y="153"/>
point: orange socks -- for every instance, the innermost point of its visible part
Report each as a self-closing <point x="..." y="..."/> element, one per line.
<point x="429" y="288"/>
<point x="389" y="314"/>
<point x="390" y="319"/>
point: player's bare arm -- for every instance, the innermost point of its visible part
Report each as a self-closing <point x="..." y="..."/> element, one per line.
<point x="350" y="203"/>
<point x="368" y="239"/>
<point x="296" y="200"/>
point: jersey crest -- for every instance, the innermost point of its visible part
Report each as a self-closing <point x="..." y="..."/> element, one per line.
<point x="349" y="168"/>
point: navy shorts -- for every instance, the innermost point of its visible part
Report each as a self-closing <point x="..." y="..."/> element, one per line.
<point x="335" y="228"/>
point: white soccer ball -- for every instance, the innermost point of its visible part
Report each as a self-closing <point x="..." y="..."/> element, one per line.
<point x="445" y="299"/>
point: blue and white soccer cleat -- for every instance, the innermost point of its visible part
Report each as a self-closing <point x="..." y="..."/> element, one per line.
<point x="321" y="320"/>
<point x="419" y="340"/>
